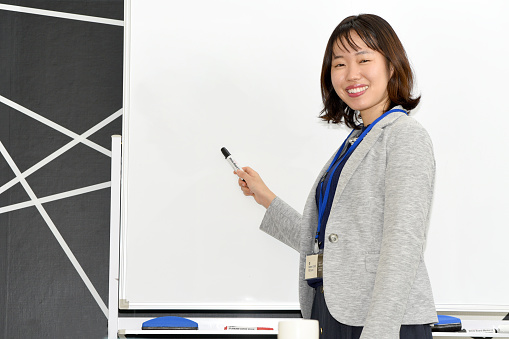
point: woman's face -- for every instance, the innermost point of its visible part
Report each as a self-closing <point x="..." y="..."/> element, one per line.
<point x="360" y="78"/>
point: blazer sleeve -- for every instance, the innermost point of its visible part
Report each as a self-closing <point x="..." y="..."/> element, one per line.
<point x="409" y="182"/>
<point x="282" y="222"/>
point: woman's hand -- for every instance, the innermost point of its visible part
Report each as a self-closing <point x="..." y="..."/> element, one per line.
<point x="253" y="185"/>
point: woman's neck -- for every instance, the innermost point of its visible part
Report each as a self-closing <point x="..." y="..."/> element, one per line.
<point x="371" y="114"/>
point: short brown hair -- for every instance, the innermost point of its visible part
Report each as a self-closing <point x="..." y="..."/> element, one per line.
<point x="379" y="36"/>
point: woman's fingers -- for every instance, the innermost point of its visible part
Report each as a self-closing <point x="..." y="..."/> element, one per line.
<point x="251" y="172"/>
<point x="246" y="191"/>
<point x="242" y="183"/>
<point x="252" y="184"/>
<point x="242" y="174"/>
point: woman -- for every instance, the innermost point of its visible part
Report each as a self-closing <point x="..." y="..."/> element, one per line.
<point x="368" y="211"/>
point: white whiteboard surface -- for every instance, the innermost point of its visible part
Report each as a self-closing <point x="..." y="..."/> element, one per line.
<point x="203" y="74"/>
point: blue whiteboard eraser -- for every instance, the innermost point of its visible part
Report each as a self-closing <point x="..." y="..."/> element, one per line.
<point x="447" y="323"/>
<point x="169" y="323"/>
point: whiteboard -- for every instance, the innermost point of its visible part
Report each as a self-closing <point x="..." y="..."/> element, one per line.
<point x="206" y="74"/>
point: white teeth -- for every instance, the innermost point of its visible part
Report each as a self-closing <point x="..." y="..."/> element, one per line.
<point x="357" y="90"/>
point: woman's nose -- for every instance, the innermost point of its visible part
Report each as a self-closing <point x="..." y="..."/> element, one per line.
<point x="353" y="73"/>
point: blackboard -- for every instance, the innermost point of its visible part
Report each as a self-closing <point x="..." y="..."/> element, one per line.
<point x="202" y="74"/>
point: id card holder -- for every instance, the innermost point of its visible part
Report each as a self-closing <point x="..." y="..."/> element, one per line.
<point x="314" y="266"/>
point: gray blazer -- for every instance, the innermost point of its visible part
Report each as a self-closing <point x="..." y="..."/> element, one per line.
<point x="374" y="275"/>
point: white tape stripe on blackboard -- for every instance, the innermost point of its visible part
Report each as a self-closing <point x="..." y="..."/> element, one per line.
<point x="62" y="15"/>
<point x="62" y="150"/>
<point x="54" y="230"/>
<point x="57" y="196"/>
<point x="53" y="125"/>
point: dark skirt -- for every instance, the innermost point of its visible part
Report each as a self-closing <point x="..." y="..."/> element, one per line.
<point x="330" y="328"/>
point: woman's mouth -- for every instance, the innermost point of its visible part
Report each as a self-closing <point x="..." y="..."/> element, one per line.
<point x="356" y="91"/>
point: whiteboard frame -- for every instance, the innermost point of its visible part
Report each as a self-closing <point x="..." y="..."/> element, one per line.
<point x="124" y="303"/>
<point x="124" y="150"/>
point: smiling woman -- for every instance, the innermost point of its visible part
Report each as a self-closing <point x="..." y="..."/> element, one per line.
<point x="360" y="78"/>
<point x="371" y="207"/>
<point x="364" y="48"/>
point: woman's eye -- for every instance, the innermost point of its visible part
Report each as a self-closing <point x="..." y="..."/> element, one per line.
<point x="364" y="61"/>
<point x="339" y="65"/>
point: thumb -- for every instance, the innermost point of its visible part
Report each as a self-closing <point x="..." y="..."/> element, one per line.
<point x="251" y="172"/>
<point x="242" y="174"/>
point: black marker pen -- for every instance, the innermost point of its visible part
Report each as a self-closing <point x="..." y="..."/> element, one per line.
<point x="230" y="160"/>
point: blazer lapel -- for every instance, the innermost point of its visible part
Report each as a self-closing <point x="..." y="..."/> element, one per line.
<point x="310" y="215"/>
<point x="360" y="152"/>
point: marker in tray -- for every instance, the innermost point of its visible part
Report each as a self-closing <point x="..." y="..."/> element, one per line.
<point x="248" y="328"/>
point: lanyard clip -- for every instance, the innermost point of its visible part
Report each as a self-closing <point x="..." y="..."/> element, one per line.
<point x="317" y="248"/>
<point x="353" y="140"/>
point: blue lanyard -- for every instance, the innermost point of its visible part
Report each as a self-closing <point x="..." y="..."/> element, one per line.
<point x="322" y="201"/>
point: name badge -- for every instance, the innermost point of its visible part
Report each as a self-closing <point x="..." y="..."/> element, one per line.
<point x="314" y="266"/>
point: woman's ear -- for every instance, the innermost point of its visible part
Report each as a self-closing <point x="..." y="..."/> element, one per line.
<point x="391" y="70"/>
